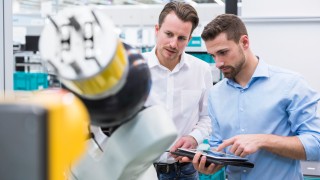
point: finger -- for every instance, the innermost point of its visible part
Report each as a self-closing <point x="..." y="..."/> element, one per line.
<point x="178" y="158"/>
<point x="243" y="154"/>
<point x="177" y="145"/>
<point x="173" y="155"/>
<point x="202" y="165"/>
<point x="234" y="148"/>
<point x="186" y="159"/>
<point x="238" y="151"/>
<point x="196" y="159"/>
<point x="225" y="144"/>
<point x="211" y="168"/>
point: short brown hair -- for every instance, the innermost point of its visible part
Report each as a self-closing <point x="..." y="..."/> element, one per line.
<point x="184" y="11"/>
<point x="230" y="24"/>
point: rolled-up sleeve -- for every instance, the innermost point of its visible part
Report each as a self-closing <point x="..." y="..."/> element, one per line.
<point x="305" y="119"/>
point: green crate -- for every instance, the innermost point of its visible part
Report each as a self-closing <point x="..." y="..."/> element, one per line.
<point x="311" y="178"/>
<point x="30" y="81"/>
<point x="203" y="56"/>
<point x="220" y="175"/>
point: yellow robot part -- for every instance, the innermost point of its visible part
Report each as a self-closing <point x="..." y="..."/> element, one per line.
<point x="110" y="79"/>
<point x="68" y="130"/>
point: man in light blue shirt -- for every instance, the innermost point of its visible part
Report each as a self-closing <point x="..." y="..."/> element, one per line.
<point x="258" y="111"/>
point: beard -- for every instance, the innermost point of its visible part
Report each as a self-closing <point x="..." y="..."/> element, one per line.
<point x="234" y="70"/>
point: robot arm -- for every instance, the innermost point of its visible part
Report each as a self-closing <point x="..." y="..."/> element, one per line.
<point x="113" y="81"/>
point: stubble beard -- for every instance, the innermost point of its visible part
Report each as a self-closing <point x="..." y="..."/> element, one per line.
<point x="235" y="69"/>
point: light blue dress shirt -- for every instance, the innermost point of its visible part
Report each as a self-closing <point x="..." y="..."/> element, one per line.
<point x="275" y="101"/>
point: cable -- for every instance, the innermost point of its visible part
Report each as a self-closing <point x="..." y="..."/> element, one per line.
<point x="94" y="139"/>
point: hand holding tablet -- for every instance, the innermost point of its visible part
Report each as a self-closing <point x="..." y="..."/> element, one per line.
<point x="215" y="157"/>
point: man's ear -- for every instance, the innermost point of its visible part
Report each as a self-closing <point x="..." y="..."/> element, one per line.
<point x="156" y="28"/>
<point x="189" y="38"/>
<point x="244" y="41"/>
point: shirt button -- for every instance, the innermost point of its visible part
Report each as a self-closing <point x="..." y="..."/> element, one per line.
<point x="242" y="130"/>
<point x="244" y="171"/>
<point x="242" y="90"/>
<point x="241" y="109"/>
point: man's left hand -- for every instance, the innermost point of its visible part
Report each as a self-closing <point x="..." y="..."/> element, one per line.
<point x="187" y="142"/>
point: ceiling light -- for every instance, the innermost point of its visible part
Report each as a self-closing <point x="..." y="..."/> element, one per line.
<point x="219" y="2"/>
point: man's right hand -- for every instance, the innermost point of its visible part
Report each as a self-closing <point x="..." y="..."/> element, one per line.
<point x="199" y="163"/>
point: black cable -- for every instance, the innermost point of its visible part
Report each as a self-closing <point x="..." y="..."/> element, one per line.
<point x="94" y="139"/>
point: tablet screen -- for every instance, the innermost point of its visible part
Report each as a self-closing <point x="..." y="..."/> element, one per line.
<point x="221" y="155"/>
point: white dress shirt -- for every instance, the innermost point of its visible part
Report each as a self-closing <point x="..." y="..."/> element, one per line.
<point x="183" y="92"/>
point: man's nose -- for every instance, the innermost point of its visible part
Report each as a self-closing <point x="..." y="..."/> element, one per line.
<point x="174" y="43"/>
<point x="218" y="63"/>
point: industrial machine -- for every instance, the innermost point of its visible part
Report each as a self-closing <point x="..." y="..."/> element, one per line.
<point x="113" y="81"/>
<point x="42" y="137"/>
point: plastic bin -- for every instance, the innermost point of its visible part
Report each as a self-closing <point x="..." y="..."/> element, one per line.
<point x="311" y="178"/>
<point x="203" y="56"/>
<point x="30" y="81"/>
<point x="220" y="175"/>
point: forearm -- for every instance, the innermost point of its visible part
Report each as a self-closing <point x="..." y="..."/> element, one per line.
<point x="290" y="147"/>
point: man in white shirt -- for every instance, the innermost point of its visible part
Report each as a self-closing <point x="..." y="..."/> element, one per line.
<point x="179" y="83"/>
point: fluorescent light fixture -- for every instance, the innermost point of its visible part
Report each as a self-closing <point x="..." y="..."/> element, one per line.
<point x="219" y="2"/>
<point x="15" y="6"/>
<point x="191" y="2"/>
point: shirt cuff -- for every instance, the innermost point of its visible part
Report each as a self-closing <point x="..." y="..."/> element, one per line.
<point x="197" y="135"/>
<point x="311" y="146"/>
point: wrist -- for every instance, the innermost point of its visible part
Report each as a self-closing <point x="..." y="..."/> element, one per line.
<point x="265" y="141"/>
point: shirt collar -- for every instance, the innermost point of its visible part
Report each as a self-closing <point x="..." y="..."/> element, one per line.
<point x="260" y="72"/>
<point x="184" y="61"/>
<point x="152" y="62"/>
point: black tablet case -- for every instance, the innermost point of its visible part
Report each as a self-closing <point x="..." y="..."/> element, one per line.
<point x="219" y="161"/>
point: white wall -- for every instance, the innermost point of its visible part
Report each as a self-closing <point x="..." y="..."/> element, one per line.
<point x="290" y="44"/>
<point x="147" y="15"/>
<point x="286" y="33"/>
<point x="280" y="8"/>
<point x="132" y="18"/>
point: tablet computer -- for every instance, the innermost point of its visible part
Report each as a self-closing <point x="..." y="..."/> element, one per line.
<point x="223" y="156"/>
<point x="216" y="157"/>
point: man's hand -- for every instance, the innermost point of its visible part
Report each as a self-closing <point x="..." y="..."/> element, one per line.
<point x="199" y="163"/>
<point x="187" y="142"/>
<point x="243" y="145"/>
